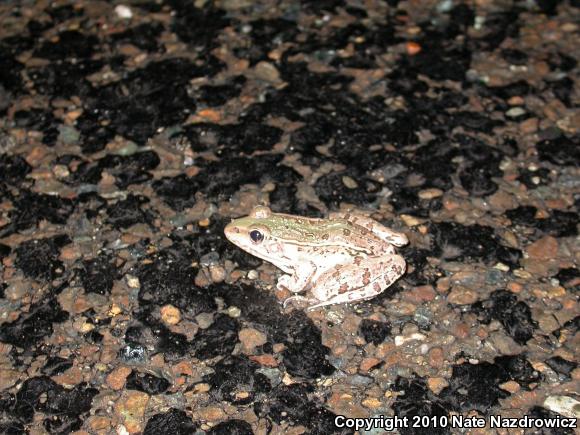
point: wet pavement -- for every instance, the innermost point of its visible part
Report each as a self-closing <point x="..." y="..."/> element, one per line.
<point x="132" y="133"/>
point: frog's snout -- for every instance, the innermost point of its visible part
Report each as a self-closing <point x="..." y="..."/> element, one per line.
<point x="231" y="231"/>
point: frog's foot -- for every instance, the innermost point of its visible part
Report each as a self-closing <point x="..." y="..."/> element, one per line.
<point x="299" y="280"/>
<point x="297" y="298"/>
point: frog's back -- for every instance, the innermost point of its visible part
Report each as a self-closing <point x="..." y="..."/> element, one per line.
<point x="325" y="233"/>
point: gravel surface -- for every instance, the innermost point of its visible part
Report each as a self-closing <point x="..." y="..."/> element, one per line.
<point x="132" y="133"/>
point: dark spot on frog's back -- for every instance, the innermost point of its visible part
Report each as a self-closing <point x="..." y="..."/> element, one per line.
<point x="325" y="236"/>
<point x="366" y="277"/>
<point x="346" y="232"/>
<point x="343" y="288"/>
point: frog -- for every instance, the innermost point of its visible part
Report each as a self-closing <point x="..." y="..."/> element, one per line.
<point x="344" y="258"/>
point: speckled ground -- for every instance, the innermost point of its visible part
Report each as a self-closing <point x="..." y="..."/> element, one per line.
<point x="131" y="133"/>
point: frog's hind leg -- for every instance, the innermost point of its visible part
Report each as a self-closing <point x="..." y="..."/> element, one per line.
<point x="354" y="282"/>
<point x="393" y="237"/>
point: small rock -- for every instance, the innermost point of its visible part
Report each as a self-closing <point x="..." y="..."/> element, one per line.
<point x="411" y="221"/>
<point x="267" y="72"/>
<point x="8" y="378"/>
<point x="514" y="112"/>
<point x="99" y="424"/>
<point x="211" y="413"/>
<point x="430" y="193"/>
<point x="436" y="357"/>
<point x="564" y="405"/>
<point x="265" y="360"/>
<point x="502" y="200"/>
<point x="461" y="295"/>
<point x="131" y="407"/>
<point x="461" y="330"/>
<point x="368" y="363"/>
<point x="252" y="338"/>
<point x="70" y="253"/>
<point x="217" y="273"/>
<point x="437" y="384"/>
<point x="170" y="315"/>
<point x="204" y="320"/>
<point x="510" y="386"/>
<point x="349" y="182"/>
<point x="371" y="403"/>
<point x="116" y="379"/>
<point x="123" y="12"/>
<point x="544" y="249"/>
<point x="529" y="126"/>
<point x="420" y="294"/>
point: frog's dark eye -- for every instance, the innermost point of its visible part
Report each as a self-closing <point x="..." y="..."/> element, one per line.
<point x="256" y="236"/>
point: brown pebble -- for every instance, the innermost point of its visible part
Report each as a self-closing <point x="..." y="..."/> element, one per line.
<point x="436" y="357"/>
<point x="420" y="294"/>
<point x="252" y="338"/>
<point x="430" y="193"/>
<point x="461" y="330"/>
<point x="515" y="287"/>
<point x="371" y="403"/>
<point x="529" y="126"/>
<point x="437" y="384"/>
<point x="116" y="379"/>
<point x="131" y="407"/>
<point x="98" y="423"/>
<point x="170" y="315"/>
<point x="368" y="363"/>
<point x="211" y="413"/>
<point x="544" y="249"/>
<point x="510" y="386"/>
<point x="461" y="295"/>
<point x="266" y="360"/>
<point x="70" y="253"/>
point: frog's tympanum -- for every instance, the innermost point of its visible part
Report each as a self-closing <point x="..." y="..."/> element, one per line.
<point x="344" y="258"/>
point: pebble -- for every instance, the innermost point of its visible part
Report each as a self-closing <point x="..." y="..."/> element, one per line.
<point x="368" y="363"/>
<point x="411" y="221"/>
<point x="401" y="339"/>
<point x="170" y="315"/>
<point x="267" y="72"/>
<point x="564" y="405"/>
<point x="217" y="273"/>
<point x="99" y="424"/>
<point x="437" y="384"/>
<point x="514" y="112"/>
<point x="420" y="294"/>
<point x="131" y="407"/>
<point x="116" y="379"/>
<point x="371" y="403"/>
<point x="510" y="386"/>
<point x="430" y="193"/>
<point x="461" y="295"/>
<point x="436" y="357"/>
<point x="265" y="360"/>
<point x="204" y="320"/>
<point x="211" y="413"/>
<point x="252" y="338"/>
<point x="543" y="249"/>
<point x="349" y="182"/>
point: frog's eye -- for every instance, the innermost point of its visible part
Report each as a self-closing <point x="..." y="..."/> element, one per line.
<point x="256" y="236"/>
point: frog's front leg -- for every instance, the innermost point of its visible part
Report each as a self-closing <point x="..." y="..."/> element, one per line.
<point x="299" y="280"/>
<point x="388" y="235"/>
<point x="352" y="282"/>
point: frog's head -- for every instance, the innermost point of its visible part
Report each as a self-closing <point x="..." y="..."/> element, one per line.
<point x="253" y="234"/>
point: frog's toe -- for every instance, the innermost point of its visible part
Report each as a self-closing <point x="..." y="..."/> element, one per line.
<point x="293" y="299"/>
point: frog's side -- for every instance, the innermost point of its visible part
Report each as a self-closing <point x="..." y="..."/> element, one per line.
<point x="344" y="258"/>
